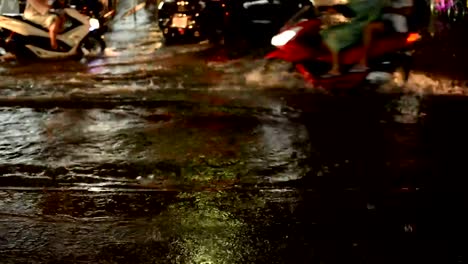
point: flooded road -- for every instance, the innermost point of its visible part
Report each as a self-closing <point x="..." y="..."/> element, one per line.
<point x="154" y="154"/>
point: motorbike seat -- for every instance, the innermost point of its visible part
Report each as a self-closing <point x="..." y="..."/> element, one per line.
<point x="382" y="45"/>
<point x="16" y="16"/>
<point x="378" y="39"/>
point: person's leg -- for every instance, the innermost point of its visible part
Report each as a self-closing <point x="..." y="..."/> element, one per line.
<point x="54" y="29"/>
<point x="369" y="31"/>
<point x="329" y="44"/>
<point x="53" y="35"/>
<point x="335" y="63"/>
<point x="335" y="69"/>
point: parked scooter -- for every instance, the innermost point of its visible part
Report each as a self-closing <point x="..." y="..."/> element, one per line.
<point x="81" y="35"/>
<point x="299" y="44"/>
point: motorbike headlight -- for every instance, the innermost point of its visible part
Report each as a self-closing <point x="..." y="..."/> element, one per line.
<point x="93" y="24"/>
<point x="284" y="37"/>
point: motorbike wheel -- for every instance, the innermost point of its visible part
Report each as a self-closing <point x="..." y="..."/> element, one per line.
<point x="169" y="40"/>
<point x="92" y="46"/>
<point x="402" y="73"/>
<point x="400" y="76"/>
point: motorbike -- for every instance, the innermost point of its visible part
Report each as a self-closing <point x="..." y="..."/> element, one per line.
<point x="191" y="20"/>
<point x="299" y="44"/>
<point x="81" y="35"/>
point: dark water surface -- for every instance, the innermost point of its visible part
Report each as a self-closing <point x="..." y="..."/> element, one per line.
<point x="338" y="182"/>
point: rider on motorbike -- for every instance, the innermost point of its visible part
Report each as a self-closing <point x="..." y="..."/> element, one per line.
<point x="38" y="11"/>
<point x="394" y="20"/>
<point x="339" y="37"/>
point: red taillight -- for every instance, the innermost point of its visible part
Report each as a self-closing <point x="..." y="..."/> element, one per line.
<point x="413" y="37"/>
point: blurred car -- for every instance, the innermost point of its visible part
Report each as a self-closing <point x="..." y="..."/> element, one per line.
<point x="256" y="20"/>
<point x="259" y="20"/>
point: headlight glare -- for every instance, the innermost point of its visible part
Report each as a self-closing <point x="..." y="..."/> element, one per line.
<point x="284" y="37"/>
<point x="93" y="24"/>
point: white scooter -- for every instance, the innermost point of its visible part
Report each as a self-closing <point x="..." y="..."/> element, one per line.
<point x="81" y="35"/>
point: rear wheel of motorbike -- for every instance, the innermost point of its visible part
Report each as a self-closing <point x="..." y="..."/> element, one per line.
<point x="169" y="40"/>
<point x="400" y="76"/>
<point x="92" y="46"/>
<point x="22" y="54"/>
<point x="402" y="73"/>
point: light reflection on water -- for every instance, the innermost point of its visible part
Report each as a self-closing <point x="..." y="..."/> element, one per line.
<point x="178" y="227"/>
<point x="21" y="132"/>
<point x="98" y="146"/>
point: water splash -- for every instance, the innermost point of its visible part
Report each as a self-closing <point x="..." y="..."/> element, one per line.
<point x="423" y="84"/>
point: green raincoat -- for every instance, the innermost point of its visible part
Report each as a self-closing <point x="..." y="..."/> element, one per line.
<point x="342" y="36"/>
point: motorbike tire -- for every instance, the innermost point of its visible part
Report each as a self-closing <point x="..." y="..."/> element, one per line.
<point x="22" y="54"/>
<point x="401" y="76"/>
<point x="401" y="73"/>
<point x="91" y="46"/>
<point x="169" y="40"/>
